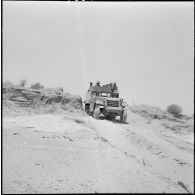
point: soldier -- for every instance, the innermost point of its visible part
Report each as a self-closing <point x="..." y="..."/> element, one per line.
<point x="115" y="88"/>
<point x="115" y="94"/>
<point x="90" y="85"/>
<point x="98" y="84"/>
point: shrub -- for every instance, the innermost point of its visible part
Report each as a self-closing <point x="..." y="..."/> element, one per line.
<point x="174" y="109"/>
<point x="37" y="86"/>
<point x="23" y="82"/>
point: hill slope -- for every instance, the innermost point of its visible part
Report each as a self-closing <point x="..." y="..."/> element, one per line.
<point x="70" y="152"/>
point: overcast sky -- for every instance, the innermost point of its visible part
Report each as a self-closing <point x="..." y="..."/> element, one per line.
<point x="146" y="47"/>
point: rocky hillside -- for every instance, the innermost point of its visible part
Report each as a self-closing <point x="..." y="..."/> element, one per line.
<point x="49" y="149"/>
<point x="167" y="120"/>
<point x="22" y="97"/>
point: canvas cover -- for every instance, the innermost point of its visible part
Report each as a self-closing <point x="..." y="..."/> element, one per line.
<point x="102" y="89"/>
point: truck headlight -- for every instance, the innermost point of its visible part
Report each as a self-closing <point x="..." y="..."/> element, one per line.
<point x="99" y="102"/>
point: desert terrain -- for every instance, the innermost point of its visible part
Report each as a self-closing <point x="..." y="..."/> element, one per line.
<point x="57" y="150"/>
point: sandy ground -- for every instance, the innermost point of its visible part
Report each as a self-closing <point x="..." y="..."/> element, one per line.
<point x="74" y="153"/>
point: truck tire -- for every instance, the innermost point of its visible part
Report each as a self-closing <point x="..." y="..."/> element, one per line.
<point x="124" y="116"/>
<point x="90" y="113"/>
<point x="87" y="109"/>
<point x="111" y="117"/>
<point x="96" y="113"/>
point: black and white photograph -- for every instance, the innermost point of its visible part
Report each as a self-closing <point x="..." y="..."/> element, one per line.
<point x="97" y="97"/>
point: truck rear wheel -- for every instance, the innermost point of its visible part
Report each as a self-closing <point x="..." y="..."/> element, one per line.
<point x="96" y="113"/>
<point x="124" y="116"/>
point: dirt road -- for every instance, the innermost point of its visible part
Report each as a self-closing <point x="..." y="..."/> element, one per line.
<point x="74" y="153"/>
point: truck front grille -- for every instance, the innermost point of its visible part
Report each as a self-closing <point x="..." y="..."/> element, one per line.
<point x="112" y="103"/>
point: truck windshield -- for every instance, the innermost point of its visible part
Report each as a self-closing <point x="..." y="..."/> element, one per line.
<point x="94" y="93"/>
<point x="105" y="94"/>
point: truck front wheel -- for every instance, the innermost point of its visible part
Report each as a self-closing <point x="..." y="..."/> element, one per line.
<point x="87" y="109"/>
<point x="111" y="117"/>
<point x="96" y="113"/>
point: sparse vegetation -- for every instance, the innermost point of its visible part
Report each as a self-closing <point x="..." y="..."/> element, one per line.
<point x="37" y="86"/>
<point x="35" y="101"/>
<point x="23" y="82"/>
<point x="174" y="109"/>
<point x="7" y="84"/>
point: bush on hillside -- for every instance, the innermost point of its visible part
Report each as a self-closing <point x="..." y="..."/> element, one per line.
<point x="37" y="86"/>
<point x="174" y="109"/>
<point x="23" y="82"/>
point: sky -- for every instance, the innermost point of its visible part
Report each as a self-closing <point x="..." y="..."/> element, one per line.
<point x="147" y="48"/>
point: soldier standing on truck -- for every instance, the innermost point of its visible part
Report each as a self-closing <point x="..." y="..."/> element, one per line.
<point x="114" y="89"/>
<point x="115" y="94"/>
<point x="98" y="84"/>
<point x="90" y="85"/>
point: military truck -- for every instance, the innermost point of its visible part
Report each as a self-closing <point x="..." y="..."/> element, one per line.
<point x="104" y="101"/>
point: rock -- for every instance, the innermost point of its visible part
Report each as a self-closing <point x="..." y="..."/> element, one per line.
<point x="18" y="99"/>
